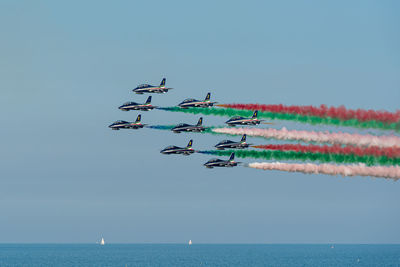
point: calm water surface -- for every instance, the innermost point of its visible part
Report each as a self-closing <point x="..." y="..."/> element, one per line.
<point x="198" y="255"/>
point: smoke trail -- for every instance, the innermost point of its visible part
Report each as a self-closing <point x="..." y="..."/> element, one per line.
<point x="392" y="172"/>
<point x="340" y="113"/>
<point x="210" y="111"/>
<point x="320" y="137"/>
<point x="390" y="152"/>
<point x="161" y="127"/>
<point x="314" y="120"/>
<point x="304" y="156"/>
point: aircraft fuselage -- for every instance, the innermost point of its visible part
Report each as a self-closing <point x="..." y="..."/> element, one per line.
<point x="126" y="126"/>
<point x="156" y="90"/>
<point x="136" y="107"/>
<point x="178" y="150"/>
<point x="190" y="128"/>
<point x="243" y="122"/>
<point x="197" y="104"/>
<point x="220" y="163"/>
<point x="237" y="145"/>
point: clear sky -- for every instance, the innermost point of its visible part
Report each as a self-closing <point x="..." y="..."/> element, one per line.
<point x="65" y="67"/>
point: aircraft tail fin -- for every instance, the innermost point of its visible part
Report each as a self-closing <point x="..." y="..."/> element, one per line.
<point x="162" y="82"/>
<point x="232" y="157"/>
<point x="200" y="122"/>
<point x="139" y="117"/>
<point x="208" y="97"/>
<point x="255" y="114"/>
<point x="189" y="145"/>
<point x="148" y="101"/>
<point x="243" y="139"/>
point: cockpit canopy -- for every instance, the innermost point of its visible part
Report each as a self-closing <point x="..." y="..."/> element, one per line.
<point x="214" y="160"/>
<point x="182" y="125"/>
<point x="117" y="122"/>
<point x="171" y="147"/>
<point x="237" y="118"/>
<point x="226" y="142"/>
<point x="129" y="103"/>
<point x="144" y="86"/>
<point x="189" y="100"/>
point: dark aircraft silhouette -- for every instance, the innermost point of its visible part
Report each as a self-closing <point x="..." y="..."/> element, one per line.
<point x="192" y="103"/>
<point x="221" y="163"/>
<point x="230" y="144"/>
<point x="184" y="127"/>
<point x="135" y="106"/>
<point x="147" y="88"/>
<point x="179" y="150"/>
<point x="127" y="125"/>
<point x="244" y="121"/>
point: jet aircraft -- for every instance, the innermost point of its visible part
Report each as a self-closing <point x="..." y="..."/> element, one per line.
<point x="237" y="120"/>
<point x="147" y="88"/>
<point x="127" y="125"/>
<point x="230" y="144"/>
<point x="183" y="127"/>
<point x="191" y="103"/>
<point x="179" y="150"/>
<point x="221" y="163"/>
<point x="135" y="106"/>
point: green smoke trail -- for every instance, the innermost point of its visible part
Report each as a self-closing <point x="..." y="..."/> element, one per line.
<point x="303" y="156"/>
<point x="314" y="120"/>
<point x="161" y="127"/>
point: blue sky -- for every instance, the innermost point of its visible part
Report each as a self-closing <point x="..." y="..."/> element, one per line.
<point x="66" y="66"/>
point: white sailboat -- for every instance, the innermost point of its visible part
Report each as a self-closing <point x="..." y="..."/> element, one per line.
<point x="190" y="242"/>
<point x="102" y="242"/>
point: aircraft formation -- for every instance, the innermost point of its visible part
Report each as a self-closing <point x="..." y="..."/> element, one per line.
<point x="185" y="127"/>
<point x="376" y="155"/>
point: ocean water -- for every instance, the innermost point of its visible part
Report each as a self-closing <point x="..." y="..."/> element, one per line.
<point x="198" y="255"/>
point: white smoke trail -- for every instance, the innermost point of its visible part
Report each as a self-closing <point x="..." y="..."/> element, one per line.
<point x="391" y="172"/>
<point x="321" y="137"/>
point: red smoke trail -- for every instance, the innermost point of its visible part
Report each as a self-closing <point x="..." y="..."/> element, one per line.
<point x="390" y="152"/>
<point x="331" y="169"/>
<point x="340" y="113"/>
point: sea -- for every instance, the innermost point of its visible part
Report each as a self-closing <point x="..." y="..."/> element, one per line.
<point x="125" y="255"/>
